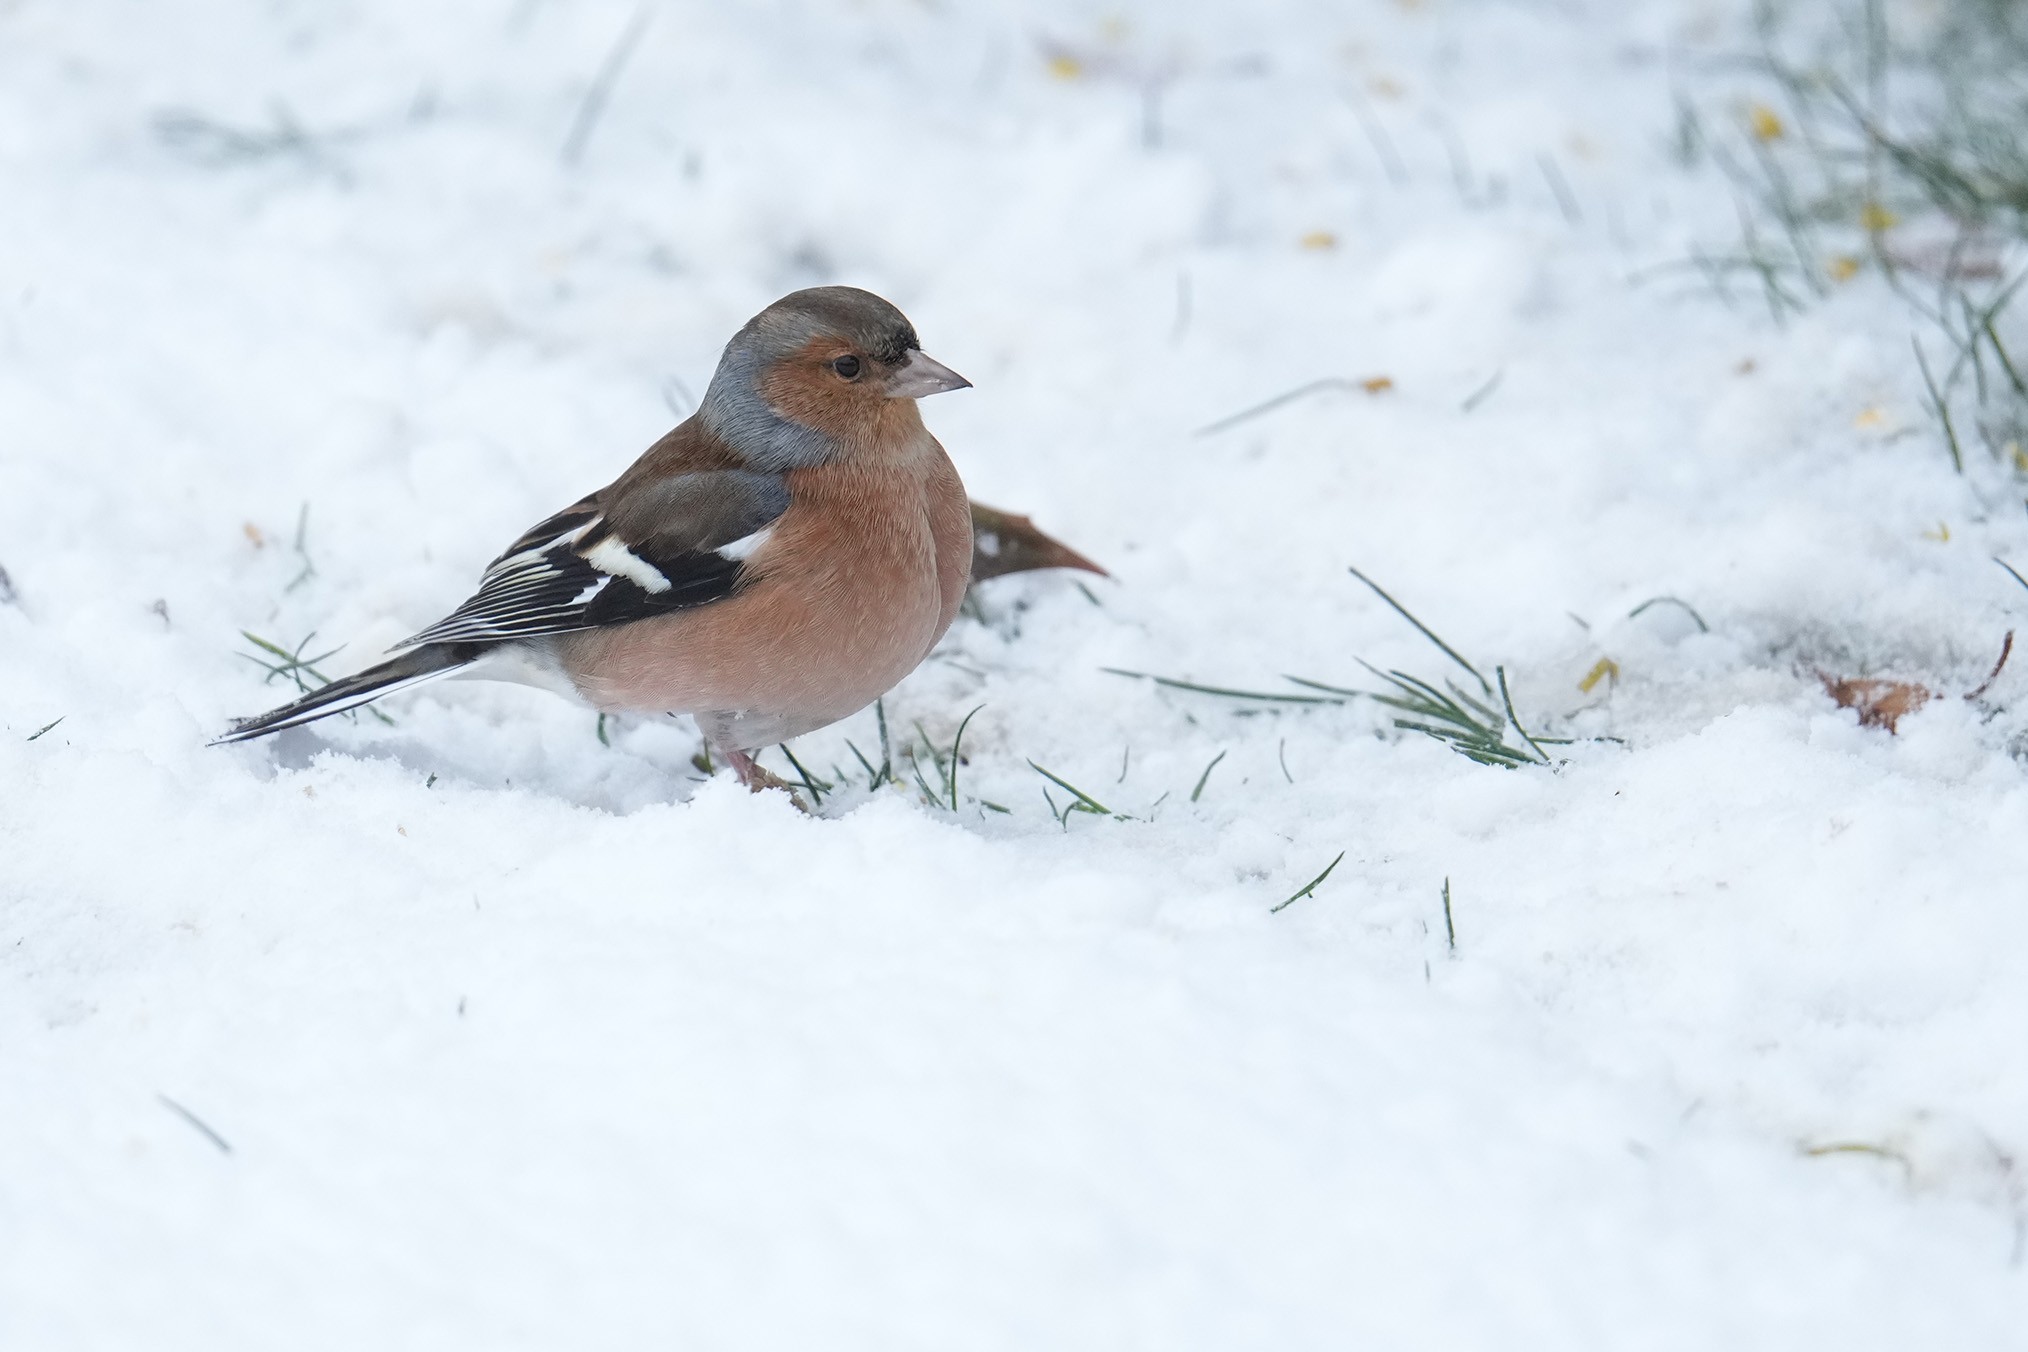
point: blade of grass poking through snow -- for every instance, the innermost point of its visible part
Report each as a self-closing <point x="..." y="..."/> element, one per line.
<point x="1084" y="801"/>
<point x="290" y="664"/>
<point x="810" y="783"/>
<point x="1286" y="397"/>
<point x="1334" y="689"/>
<point x="874" y="778"/>
<point x="1450" y="930"/>
<point x="2011" y="573"/>
<point x="295" y="666"/>
<point x="596" y="97"/>
<point x="957" y="747"/>
<point x="935" y="795"/>
<point x="1483" y="393"/>
<point x="46" y="727"/>
<point x="1307" y="888"/>
<point x="302" y="547"/>
<point x="1939" y="404"/>
<point x="1468" y="727"/>
<point x="1422" y="628"/>
<point x="1993" y="336"/>
<point x="1224" y="691"/>
<point x="197" y="1123"/>
<point x="930" y="795"/>
<point x="1205" y="778"/>
<point x="1508" y="701"/>
<point x="1688" y="609"/>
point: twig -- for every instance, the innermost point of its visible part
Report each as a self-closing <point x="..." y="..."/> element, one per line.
<point x="2006" y="650"/>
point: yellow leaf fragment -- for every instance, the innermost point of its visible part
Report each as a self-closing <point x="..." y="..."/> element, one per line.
<point x="1843" y="268"/>
<point x="1876" y="218"/>
<point x="1885" y="1152"/>
<point x="1766" y="123"/>
<point x="1319" y="239"/>
<point x="1942" y="533"/>
<point x="254" y="536"/>
<point x="1870" y="417"/>
<point x="1605" y="669"/>
<point x="2017" y="457"/>
<point x="1064" y="66"/>
<point x="1377" y="384"/>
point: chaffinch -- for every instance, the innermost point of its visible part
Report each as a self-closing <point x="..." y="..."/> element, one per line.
<point x="774" y="564"/>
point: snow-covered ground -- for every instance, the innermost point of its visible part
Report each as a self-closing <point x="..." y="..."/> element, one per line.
<point x="501" y="1036"/>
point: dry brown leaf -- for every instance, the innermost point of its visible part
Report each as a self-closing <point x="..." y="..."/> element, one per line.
<point x="1883" y="704"/>
<point x="1003" y="542"/>
<point x="1879" y="704"/>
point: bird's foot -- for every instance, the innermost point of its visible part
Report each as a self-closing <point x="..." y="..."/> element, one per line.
<point x="757" y="777"/>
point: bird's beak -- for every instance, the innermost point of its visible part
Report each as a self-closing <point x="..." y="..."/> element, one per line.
<point x="919" y="376"/>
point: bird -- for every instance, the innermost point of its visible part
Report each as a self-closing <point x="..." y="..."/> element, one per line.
<point x="775" y="563"/>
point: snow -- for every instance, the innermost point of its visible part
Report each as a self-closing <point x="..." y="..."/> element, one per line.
<point x="513" y="1038"/>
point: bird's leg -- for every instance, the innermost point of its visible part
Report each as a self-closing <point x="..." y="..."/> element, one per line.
<point x="756" y="776"/>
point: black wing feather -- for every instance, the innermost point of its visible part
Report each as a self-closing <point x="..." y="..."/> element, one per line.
<point x="576" y="570"/>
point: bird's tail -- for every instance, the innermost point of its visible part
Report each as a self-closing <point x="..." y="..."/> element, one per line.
<point x="411" y="668"/>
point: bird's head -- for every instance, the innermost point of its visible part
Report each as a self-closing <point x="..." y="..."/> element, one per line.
<point x="818" y="374"/>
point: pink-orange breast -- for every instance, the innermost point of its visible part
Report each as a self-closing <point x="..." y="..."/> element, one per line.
<point x="859" y="579"/>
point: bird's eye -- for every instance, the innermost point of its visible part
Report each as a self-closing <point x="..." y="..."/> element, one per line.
<point x="847" y="367"/>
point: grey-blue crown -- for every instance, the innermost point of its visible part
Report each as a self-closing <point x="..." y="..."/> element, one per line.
<point x="733" y="407"/>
